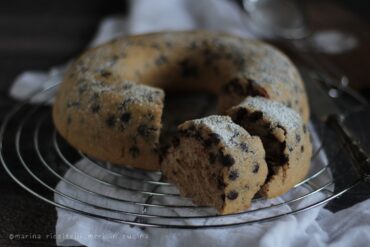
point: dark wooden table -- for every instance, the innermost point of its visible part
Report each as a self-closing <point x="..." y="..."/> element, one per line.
<point x="35" y="35"/>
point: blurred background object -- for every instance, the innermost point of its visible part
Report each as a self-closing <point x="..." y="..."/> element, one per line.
<point x="39" y="34"/>
<point x="286" y="23"/>
<point x="285" y="19"/>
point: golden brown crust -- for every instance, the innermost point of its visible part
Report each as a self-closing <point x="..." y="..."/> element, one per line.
<point x="89" y="112"/>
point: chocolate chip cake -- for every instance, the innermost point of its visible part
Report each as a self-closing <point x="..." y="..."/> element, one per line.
<point x="216" y="163"/>
<point x="285" y="139"/>
<point x="110" y="102"/>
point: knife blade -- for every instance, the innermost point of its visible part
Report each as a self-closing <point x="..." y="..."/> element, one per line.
<point x="320" y="102"/>
<point x="352" y="128"/>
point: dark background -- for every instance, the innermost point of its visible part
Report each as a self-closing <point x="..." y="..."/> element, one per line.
<point x="37" y="34"/>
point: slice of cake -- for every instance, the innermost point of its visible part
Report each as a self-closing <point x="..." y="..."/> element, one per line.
<point x="284" y="137"/>
<point x="216" y="163"/>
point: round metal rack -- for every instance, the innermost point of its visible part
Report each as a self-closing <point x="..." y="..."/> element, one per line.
<point x="40" y="161"/>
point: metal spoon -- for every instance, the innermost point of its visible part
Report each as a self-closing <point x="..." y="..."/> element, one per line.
<point x="287" y="21"/>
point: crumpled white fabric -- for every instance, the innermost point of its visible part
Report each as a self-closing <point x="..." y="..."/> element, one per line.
<point x="94" y="232"/>
<point x="316" y="227"/>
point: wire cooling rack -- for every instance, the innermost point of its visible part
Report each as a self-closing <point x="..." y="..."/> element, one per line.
<point x="40" y="161"/>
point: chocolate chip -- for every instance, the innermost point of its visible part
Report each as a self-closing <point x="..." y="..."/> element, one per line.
<point x="125" y="117"/>
<point x="243" y="146"/>
<point x="105" y="73"/>
<point x="124" y="105"/>
<point x="175" y="142"/>
<point x="241" y="114"/>
<point x="220" y="182"/>
<point x="145" y="130"/>
<point x="270" y="137"/>
<point x="255" y="116"/>
<point x="234" y="174"/>
<point x="290" y="149"/>
<point x="297" y="137"/>
<point x="283" y="159"/>
<point x="127" y="86"/>
<point x="256" y="168"/>
<point x="162" y="150"/>
<point x="235" y="134"/>
<point x="226" y="160"/>
<point x="191" y="128"/>
<point x="95" y="97"/>
<point x="198" y="136"/>
<point x="234" y="86"/>
<point x="253" y="91"/>
<point x="188" y="69"/>
<point x="207" y="143"/>
<point x="304" y="129"/>
<point x="110" y="121"/>
<point x="212" y="158"/>
<point x="183" y="132"/>
<point x="232" y="195"/>
<point x="215" y="138"/>
<point x="302" y="149"/>
<point x="191" y="132"/>
<point x="95" y="108"/>
<point x="134" y="151"/>
<point x="150" y="116"/>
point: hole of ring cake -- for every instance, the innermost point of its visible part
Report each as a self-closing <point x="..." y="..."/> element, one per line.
<point x="112" y="98"/>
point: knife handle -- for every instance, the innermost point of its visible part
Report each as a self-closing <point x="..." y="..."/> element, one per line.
<point x="358" y="154"/>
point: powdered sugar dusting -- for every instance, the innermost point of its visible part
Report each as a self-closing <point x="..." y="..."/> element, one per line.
<point x="274" y="111"/>
<point x="129" y="90"/>
<point x="223" y="126"/>
<point x="143" y="93"/>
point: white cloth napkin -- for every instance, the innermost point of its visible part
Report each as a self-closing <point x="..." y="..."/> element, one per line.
<point x="287" y="231"/>
<point x="316" y="227"/>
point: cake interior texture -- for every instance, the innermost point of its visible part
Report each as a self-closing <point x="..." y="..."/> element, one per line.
<point x="216" y="163"/>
